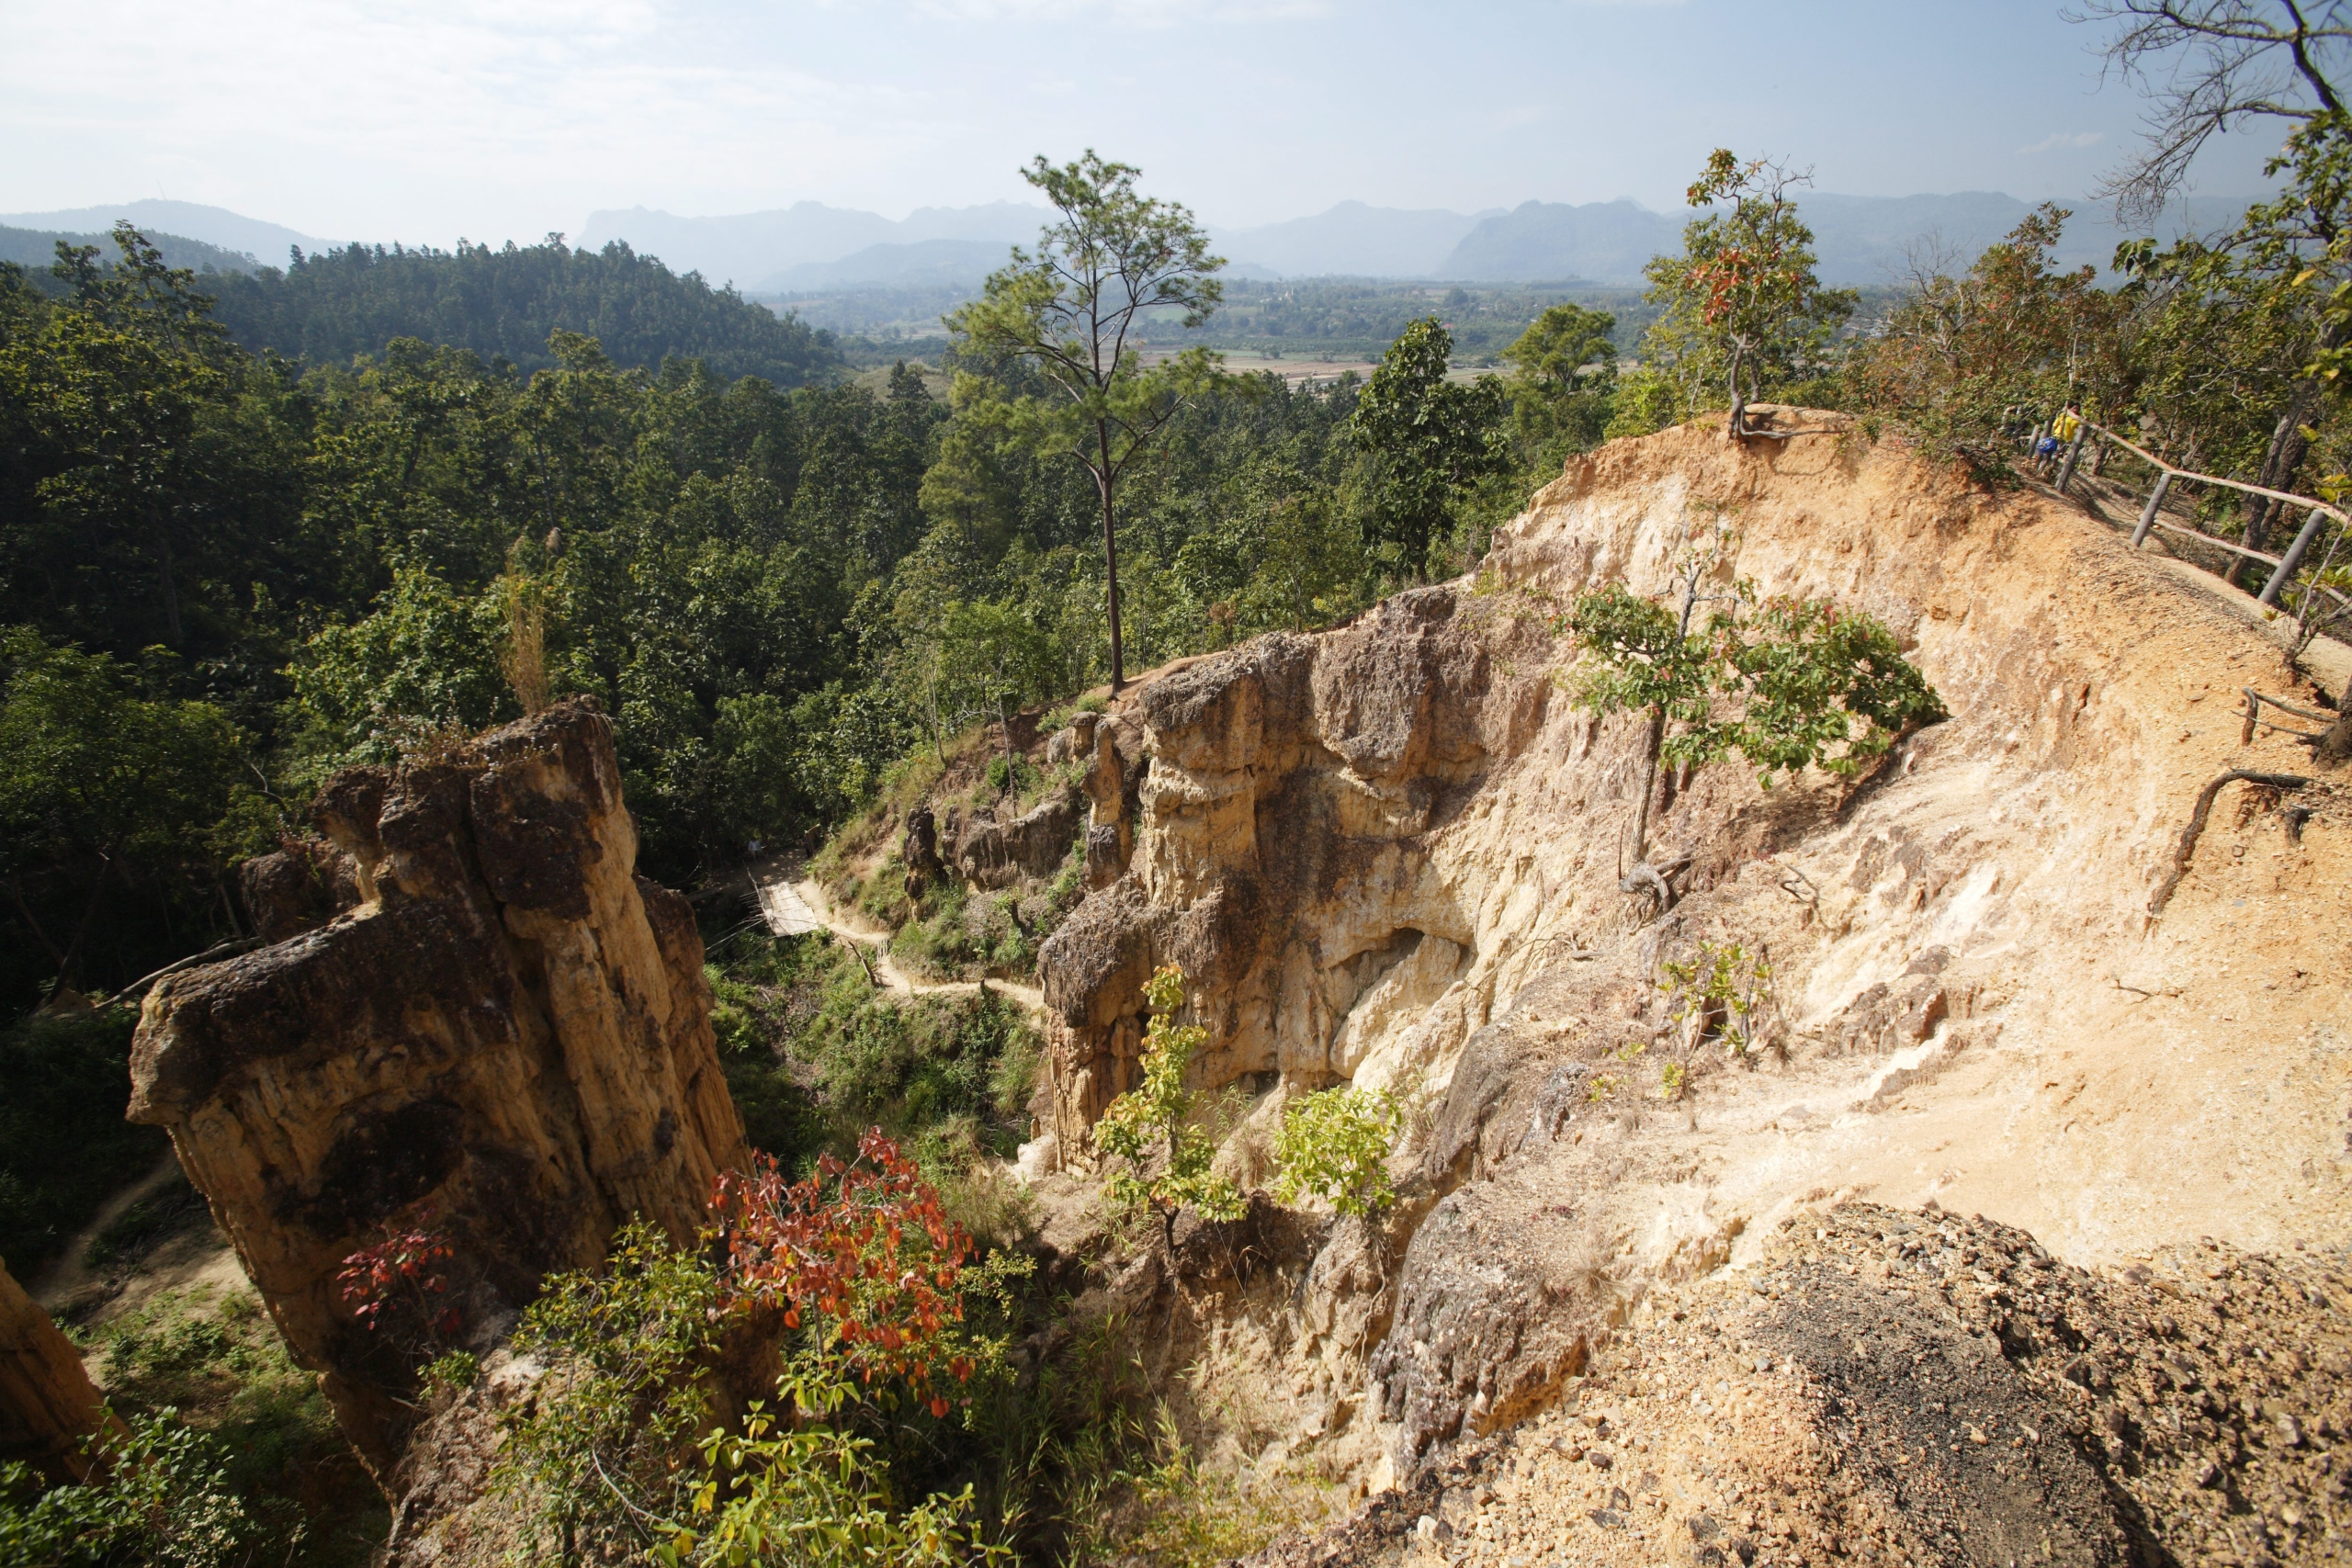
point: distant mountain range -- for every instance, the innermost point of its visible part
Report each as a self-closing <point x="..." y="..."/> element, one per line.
<point x="765" y="251"/>
<point x="37" y="248"/>
<point x="810" y="247"/>
<point x="1861" y="240"/>
<point x="255" y="240"/>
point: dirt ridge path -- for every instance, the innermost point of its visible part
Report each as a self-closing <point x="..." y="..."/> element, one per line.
<point x="67" y="1273"/>
<point x="793" y="903"/>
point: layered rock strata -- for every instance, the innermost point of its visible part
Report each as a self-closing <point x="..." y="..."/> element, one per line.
<point x="506" y="1042"/>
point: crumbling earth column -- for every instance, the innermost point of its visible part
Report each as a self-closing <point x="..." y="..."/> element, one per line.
<point x="506" y="1043"/>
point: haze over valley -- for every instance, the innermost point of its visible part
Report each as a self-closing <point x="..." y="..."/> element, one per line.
<point x="1072" y="783"/>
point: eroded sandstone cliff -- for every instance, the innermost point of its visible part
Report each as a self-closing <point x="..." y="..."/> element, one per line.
<point x="48" y="1410"/>
<point x="506" y="1042"/>
<point x="1389" y="854"/>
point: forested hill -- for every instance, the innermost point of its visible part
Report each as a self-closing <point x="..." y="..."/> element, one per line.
<point x="505" y="303"/>
<point x="35" y="249"/>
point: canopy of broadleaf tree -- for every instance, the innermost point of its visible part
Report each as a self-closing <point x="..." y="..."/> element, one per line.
<point x="1067" y="316"/>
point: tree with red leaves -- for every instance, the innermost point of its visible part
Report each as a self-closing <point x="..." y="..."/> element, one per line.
<point x="861" y="1253"/>
<point x="397" y="1286"/>
<point x="1742" y="301"/>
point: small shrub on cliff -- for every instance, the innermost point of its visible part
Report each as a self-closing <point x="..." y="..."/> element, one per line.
<point x="1721" y="992"/>
<point x="1334" y="1145"/>
<point x="861" y="1281"/>
<point x="396" y="1289"/>
<point x="1787" y="683"/>
<point x="1153" y="1123"/>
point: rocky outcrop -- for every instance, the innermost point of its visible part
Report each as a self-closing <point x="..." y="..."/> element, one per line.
<point x="508" y="1042"/>
<point x="1276" y="848"/>
<point x="303" y="883"/>
<point x="996" y="853"/>
<point x="1389" y="854"/>
<point x="1910" y="1386"/>
<point x="48" y="1408"/>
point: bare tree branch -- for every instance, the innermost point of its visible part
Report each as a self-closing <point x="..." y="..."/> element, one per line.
<point x="2208" y="67"/>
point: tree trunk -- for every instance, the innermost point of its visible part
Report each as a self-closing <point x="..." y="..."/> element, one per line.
<point x="930" y="706"/>
<point x="2336" y="746"/>
<point x="165" y="574"/>
<point x="1649" y="784"/>
<point x="2284" y="456"/>
<point x="1738" y="396"/>
<point x="1110" y="554"/>
<point x="1004" y="733"/>
<point x="69" y="966"/>
<point x="56" y="954"/>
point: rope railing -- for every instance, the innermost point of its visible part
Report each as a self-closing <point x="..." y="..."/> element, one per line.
<point x="2284" y="567"/>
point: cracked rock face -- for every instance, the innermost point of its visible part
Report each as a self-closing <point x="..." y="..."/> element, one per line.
<point x="1264" y="827"/>
<point x="507" y="1040"/>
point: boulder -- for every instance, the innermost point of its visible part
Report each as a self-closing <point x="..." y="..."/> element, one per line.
<point x="998" y="853"/>
<point x="304" y="883"/>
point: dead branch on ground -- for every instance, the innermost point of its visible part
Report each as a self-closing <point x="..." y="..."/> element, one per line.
<point x="2190" y="835"/>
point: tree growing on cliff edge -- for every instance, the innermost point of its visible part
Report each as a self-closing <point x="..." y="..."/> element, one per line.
<point x="1154" y="1119"/>
<point x="1742" y="302"/>
<point x="1783" y="683"/>
<point x="1071" y="312"/>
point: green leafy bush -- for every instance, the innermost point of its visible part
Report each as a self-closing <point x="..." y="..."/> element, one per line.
<point x="624" y="1445"/>
<point x="1787" y="683"/>
<point x="1721" y="992"/>
<point x="1334" y="1145"/>
<point x="219" y="1367"/>
<point x="160" y="1494"/>
<point x="1164" y="1156"/>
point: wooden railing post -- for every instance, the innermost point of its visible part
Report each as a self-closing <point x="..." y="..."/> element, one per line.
<point x="2294" y="557"/>
<point x="2074" y="453"/>
<point x="2148" y="512"/>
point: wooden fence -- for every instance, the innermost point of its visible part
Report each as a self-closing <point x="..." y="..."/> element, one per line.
<point x="2317" y="515"/>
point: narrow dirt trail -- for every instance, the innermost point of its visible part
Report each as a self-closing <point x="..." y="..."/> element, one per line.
<point x="69" y="1271"/>
<point x="792" y="904"/>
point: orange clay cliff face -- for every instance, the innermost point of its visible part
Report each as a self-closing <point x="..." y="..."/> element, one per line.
<point x="1389" y="854"/>
<point x="505" y="1041"/>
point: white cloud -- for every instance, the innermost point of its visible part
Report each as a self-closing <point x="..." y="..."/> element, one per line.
<point x="2060" y="139"/>
<point x="473" y="110"/>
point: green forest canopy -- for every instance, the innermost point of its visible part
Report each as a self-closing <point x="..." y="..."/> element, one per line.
<point x="500" y="303"/>
<point x="259" y="566"/>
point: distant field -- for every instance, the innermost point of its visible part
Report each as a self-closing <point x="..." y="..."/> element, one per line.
<point x="1315" y="330"/>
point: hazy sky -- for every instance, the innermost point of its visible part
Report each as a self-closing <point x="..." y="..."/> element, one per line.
<point x="426" y="119"/>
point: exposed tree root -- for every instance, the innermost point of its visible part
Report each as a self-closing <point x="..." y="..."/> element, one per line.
<point x="2190" y="835"/>
<point x="1656" y="879"/>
